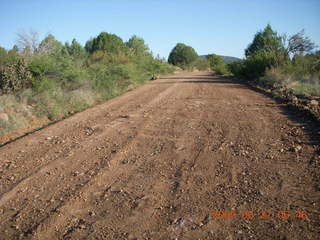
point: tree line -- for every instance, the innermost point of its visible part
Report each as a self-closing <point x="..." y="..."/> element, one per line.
<point x="186" y="57"/>
<point x="280" y="61"/>
<point x="50" y="79"/>
<point x="31" y="63"/>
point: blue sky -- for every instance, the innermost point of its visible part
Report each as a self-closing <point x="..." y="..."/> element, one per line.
<point x="216" y="26"/>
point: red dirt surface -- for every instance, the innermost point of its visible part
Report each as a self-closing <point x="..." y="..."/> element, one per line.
<point x="159" y="162"/>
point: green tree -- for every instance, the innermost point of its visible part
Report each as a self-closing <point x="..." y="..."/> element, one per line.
<point x="267" y="40"/>
<point x="217" y="64"/>
<point x="74" y="49"/>
<point x="15" y="48"/>
<point x="89" y="45"/>
<point x="3" y="51"/>
<point x="202" y="64"/>
<point x="107" y="42"/>
<point x="183" y="56"/>
<point x="137" y="46"/>
<point x="8" y="57"/>
<point x="49" y="45"/>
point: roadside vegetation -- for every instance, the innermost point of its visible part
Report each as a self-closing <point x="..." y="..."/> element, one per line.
<point x="187" y="58"/>
<point x="50" y="80"/>
<point x="281" y="62"/>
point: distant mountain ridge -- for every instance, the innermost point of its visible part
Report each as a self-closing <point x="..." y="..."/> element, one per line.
<point x="227" y="59"/>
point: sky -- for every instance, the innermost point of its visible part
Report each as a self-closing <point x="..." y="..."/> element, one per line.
<point x="209" y="26"/>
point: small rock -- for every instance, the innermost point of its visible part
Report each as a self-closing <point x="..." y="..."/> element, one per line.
<point x="124" y="116"/>
<point x="4" y="117"/>
<point x="294" y="99"/>
<point x="314" y="102"/>
<point x="297" y="148"/>
<point x="48" y="138"/>
<point x="82" y="226"/>
<point x="125" y="161"/>
<point x="92" y="213"/>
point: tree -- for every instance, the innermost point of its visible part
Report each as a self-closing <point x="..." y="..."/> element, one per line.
<point x="267" y="40"/>
<point x="89" y="45"/>
<point x="298" y="44"/>
<point x="27" y="42"/>
<point x="107" y="42"/>
<point x="183" y="56"/>
<point x="7" y="57"/>
<point x="49" y="45"/>
<point x="14" y="50"/>
<point x="217" y="64"/>
<point x="74" y="49"/>
<point x="138" y="46"/>
<point x="202" y="64"/>
<point x="3" y="51"/>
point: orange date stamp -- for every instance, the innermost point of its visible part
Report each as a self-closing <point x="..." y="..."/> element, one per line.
<point x="263" y="215"/>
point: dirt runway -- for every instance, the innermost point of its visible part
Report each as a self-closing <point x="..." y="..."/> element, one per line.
<point x="192" y="156"/>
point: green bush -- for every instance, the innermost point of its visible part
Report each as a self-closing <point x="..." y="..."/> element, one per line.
<point x="14" y="77"/>
<point x="217" y="64"/>
<point x="254" y="66"/>
<point x="183" y="56"/>
<point x="306" y="88"/>
<point x="42" y="65"/>
<point x="57" y="80"/>
<point x="107" y="42"/>
<point x="202" y="64"/>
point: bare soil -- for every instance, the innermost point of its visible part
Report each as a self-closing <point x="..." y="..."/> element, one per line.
<point x="159" y="162"/>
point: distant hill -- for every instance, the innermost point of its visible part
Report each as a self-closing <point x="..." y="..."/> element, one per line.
<point x="227" y="59"/>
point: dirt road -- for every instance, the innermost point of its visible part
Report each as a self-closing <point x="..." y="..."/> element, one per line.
<point x="159" y="162"/>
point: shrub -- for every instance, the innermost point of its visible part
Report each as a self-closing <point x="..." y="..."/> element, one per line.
<point x="254" y="66"/>
<point x="183" y="56"/>
<point x="63" y="79"/>
<point x="14" y="77"/>
<point x="217" y="64"/>
<point x="137" y="46"/>
<point x="42" y="65"/>
<point x="107" y="42"/>
<point x="202" y="64"/>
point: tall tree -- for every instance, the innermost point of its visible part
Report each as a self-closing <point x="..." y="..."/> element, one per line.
<point x="107" y="42"/>
<point x="89" y="45"/>
<point x="138" y="46"/>
<point x="217" y="64"/>
<point x="28" y="42"/>
<point x="266" y="40"/>
<point x="298" y="44"/>
<point x="182" y="55"/>
<point x="74" y="49"/>
<point x="49" y="45"/>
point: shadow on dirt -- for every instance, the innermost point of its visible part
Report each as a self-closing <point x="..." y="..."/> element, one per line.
<point x="303" y="117"/>
<point x="195" y="79"/>
<point x="192" y="81"/>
